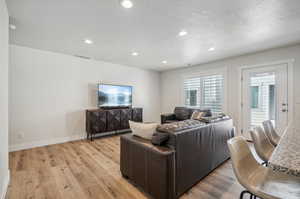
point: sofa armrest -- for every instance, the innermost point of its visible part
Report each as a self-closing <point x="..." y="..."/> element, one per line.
<point x="168" y="116"/>
<point x="150" y="167"/>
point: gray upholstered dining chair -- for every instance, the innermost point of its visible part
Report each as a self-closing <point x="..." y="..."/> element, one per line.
<point x="262" y="144"/>
<point x="260" y="181"/>
<point x="271" y="132"/>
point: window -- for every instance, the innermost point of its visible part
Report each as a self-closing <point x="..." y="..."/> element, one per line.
<point x="205" y="92"/>
<point x="191" y="96"/>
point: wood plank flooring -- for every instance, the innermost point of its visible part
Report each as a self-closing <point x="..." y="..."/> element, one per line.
<point x="91" y="170"/>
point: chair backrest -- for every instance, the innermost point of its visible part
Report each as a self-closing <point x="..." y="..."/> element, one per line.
<point x="267" y="128"/>
<point x="262" y="144"/>
<point x="243" y="162"/>
<point x="271" y="132"/>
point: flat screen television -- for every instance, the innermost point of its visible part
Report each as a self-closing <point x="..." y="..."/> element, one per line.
<point x="114" y="95"/>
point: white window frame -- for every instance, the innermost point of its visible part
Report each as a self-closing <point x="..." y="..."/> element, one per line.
<point x="208" y="72"/>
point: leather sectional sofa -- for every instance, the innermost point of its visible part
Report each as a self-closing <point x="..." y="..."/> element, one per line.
<point x="190" y="154"/>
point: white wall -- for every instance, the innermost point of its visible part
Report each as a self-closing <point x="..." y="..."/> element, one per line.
<point x="50" y="92"/>
<point x="171" y="80"/>
<point x="4" y="174"/>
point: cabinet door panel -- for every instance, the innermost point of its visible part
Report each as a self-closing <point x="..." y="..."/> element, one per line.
<point x="137" y="114"/>
<point x="113" y="120"/>
<point x="126" y="115"/>
<point x="98" y="121"/>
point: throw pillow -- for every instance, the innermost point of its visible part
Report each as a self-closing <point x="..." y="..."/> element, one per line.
<point x="215" y="118"/>
<point x="143" y="130"/>
<point x="197" y="115"/>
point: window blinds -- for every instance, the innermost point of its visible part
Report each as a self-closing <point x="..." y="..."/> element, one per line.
<point x="205" y="92"/>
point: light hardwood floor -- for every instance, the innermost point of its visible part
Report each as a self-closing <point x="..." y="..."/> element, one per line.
<point x="90" y="170"/>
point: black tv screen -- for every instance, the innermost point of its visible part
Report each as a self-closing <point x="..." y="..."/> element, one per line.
<point x="114" y="95"/>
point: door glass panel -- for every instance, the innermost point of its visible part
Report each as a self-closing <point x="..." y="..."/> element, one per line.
<point x="262" y="98"/>
<point x="254" y="96"/>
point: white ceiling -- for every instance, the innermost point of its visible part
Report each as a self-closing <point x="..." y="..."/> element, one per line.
<point x="151" y="27"/>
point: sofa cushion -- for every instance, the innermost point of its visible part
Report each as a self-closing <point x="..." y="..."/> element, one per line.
<point x="143" y="130"/>
<point x="179" y="126"/>
<point x="182" y="113"/>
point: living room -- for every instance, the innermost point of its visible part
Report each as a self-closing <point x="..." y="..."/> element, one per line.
<point x="194" y="78"/>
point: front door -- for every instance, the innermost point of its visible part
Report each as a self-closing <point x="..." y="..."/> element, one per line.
<point x="264" y="97"/>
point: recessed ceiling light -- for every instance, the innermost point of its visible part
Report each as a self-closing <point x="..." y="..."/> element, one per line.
<point x="164" y="62"/>
<point x="126" y="3"/>
<point x="88" y="41"/>
<point x="211" y="49"/>
<point x="182" y="33"/>
<point x="12" y="26"/>
<point x="134" y="53"/>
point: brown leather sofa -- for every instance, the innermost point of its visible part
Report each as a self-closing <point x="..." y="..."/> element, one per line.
<point x="166" y="172"/>
<point x="182" y="113"/>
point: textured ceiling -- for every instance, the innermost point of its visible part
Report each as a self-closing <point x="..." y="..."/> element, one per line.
<point x="232" y="27"/>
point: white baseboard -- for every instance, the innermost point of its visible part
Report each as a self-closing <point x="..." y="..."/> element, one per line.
<point x="29" y="145"/>
<point x="5" y="186"/>
<point x="40" y="143"/>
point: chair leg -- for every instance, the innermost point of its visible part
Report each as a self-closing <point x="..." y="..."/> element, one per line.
<point x="243" y="192"/>
<point x="253" y="196"/>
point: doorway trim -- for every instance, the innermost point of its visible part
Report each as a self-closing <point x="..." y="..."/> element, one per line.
<point x="290" y="71"/>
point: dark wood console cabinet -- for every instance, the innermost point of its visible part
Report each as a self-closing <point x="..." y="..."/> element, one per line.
<point x="105" y="120"/>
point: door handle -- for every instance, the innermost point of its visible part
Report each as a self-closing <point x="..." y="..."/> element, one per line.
<point x="284" y="110"/>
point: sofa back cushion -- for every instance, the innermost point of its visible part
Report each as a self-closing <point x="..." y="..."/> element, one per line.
<point x="182" y="113"/>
